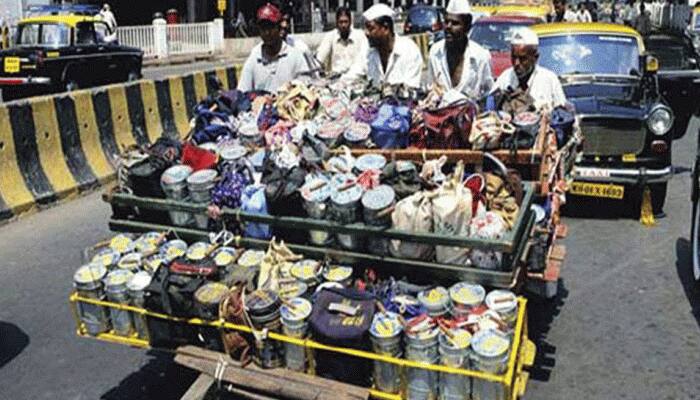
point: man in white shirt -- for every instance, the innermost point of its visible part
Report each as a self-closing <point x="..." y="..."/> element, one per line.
<point x="540" y="83"/>
<point x="273" y="62"/>
<point x="108" y="17"/>
<point x="562" y="13"/>
<point x="457" y="63"/>
<point x="343" y="45"/>
<point x="391" y="59"/>
<point x="583" y="15"/>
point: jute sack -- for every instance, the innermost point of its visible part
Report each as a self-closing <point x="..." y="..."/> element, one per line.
<point x="452" y="213"/>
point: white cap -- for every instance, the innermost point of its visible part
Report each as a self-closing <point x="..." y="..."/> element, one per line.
<point x="377" y="11"/>
<point x="524" y="37"/>
<point x="459" y="7"/>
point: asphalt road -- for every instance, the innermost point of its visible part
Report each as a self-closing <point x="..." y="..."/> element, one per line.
<point x="626" y="325"/>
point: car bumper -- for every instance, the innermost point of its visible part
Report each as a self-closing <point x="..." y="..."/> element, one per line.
<point x="21" y="81"/>
<point x="623" y="175"/>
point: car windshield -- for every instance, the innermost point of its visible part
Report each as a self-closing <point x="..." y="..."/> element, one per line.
<point x="696" y="25"/>
<point x="424" y="17"/>
<point x="590" y="54"/>
<point x="494" y="36"/>
<point x="50" y="35"/>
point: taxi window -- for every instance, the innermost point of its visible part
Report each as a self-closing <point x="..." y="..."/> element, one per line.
<point x="28" y="35"/>
<point x="495" y="36"/>
<point x="85" y="34"/>
<point x="55" y="35"/>
<point x="590" y="54"/>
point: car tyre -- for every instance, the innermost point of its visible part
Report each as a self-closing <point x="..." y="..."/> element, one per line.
<point x="695" y="242"/>
<point x="71" y="85"/>
<point x="133" y="76"/>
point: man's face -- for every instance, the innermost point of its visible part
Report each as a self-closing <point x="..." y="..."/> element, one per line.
<point x="524" y="59"/>
<point x="285" y="26"/>
<point x="270" y="33"/>
<point x="343" y="25"/>
<point x="456" y="28"/>
<point x="559" y="7"/>
<point x="376" y="34"/>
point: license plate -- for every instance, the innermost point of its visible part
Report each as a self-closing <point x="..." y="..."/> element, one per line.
<point x="607" y="191"/>
<point x="11" y="65"/>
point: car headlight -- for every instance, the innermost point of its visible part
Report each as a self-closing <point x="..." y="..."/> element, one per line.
<point x="660" y="120"/>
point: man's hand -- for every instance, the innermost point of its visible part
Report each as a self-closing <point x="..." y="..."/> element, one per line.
<point x="214" y="212"/>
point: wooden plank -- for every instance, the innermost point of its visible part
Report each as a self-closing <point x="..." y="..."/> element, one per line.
<point x="199" y="388"/>
<point x="275" y="382"/>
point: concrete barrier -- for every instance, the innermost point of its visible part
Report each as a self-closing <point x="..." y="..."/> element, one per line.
<point x="56" y="147"/>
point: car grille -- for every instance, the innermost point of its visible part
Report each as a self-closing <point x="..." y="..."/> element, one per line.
<point x="612" y="137"/>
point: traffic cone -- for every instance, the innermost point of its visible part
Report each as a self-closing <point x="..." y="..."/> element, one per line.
<point x="647" y="212"/>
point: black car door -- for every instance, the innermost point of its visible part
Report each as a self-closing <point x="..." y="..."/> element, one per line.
<point x="678" y="77"/>
<point x="91" y="63"/>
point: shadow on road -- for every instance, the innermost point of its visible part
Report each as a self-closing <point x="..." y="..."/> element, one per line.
<point x="541" y="314"/>
<point x="159" y="378"/>
<point x="13" y="341"/>
<point x="590" y="207"/>
<point x="684" y="268"/>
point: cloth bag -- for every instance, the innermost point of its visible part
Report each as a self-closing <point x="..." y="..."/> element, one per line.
<point x="447" y="127"/>
<point x="390" y="127"/>
<point x="452" y="213"/>
<point x="253" y="201"/>
<point x="413" y="214"/>
<point x="338" y="329"/>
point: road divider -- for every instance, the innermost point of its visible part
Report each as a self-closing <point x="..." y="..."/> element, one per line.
<point x="57" y="147"/>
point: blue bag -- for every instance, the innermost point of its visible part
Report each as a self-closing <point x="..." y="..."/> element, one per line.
<point x="253" y="201"/>
<point x="390" y="127"/>
<point x="563" y="124"/>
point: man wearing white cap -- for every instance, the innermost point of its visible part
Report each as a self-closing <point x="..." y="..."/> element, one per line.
<point x="540" y="83"/>
<point x="457" y="63"/>
<point x="391" y="59"/>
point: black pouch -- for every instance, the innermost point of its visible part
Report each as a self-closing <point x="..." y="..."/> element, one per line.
<point x="284" y="198"/>
<point x="171" y="294"/>
<point x="341" y="330"/>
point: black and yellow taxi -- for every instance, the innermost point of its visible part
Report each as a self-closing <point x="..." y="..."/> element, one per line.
<point x="626" y="122"/>
<point x="53" y="53"/>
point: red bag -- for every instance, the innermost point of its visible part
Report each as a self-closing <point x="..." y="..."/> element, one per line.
<point x="198" y="158"/>
<point x="448" y="127"/>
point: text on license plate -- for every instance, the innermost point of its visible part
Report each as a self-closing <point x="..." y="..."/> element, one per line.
<point x="598" y="190"/>
<point x="11" y="65"/>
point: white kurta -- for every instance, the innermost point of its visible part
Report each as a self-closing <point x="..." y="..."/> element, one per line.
<point x="403" y="67"/>
<point x="476" y="80"/>
<point x="543" y="86"/>
<point x="342" y="53"/>
<point x="270" y="75"/>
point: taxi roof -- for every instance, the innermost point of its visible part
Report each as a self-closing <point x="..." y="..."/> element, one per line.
<point x="71" y="20"/>
<point x="538" y="11"/>
<point x="568" y="28"/>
